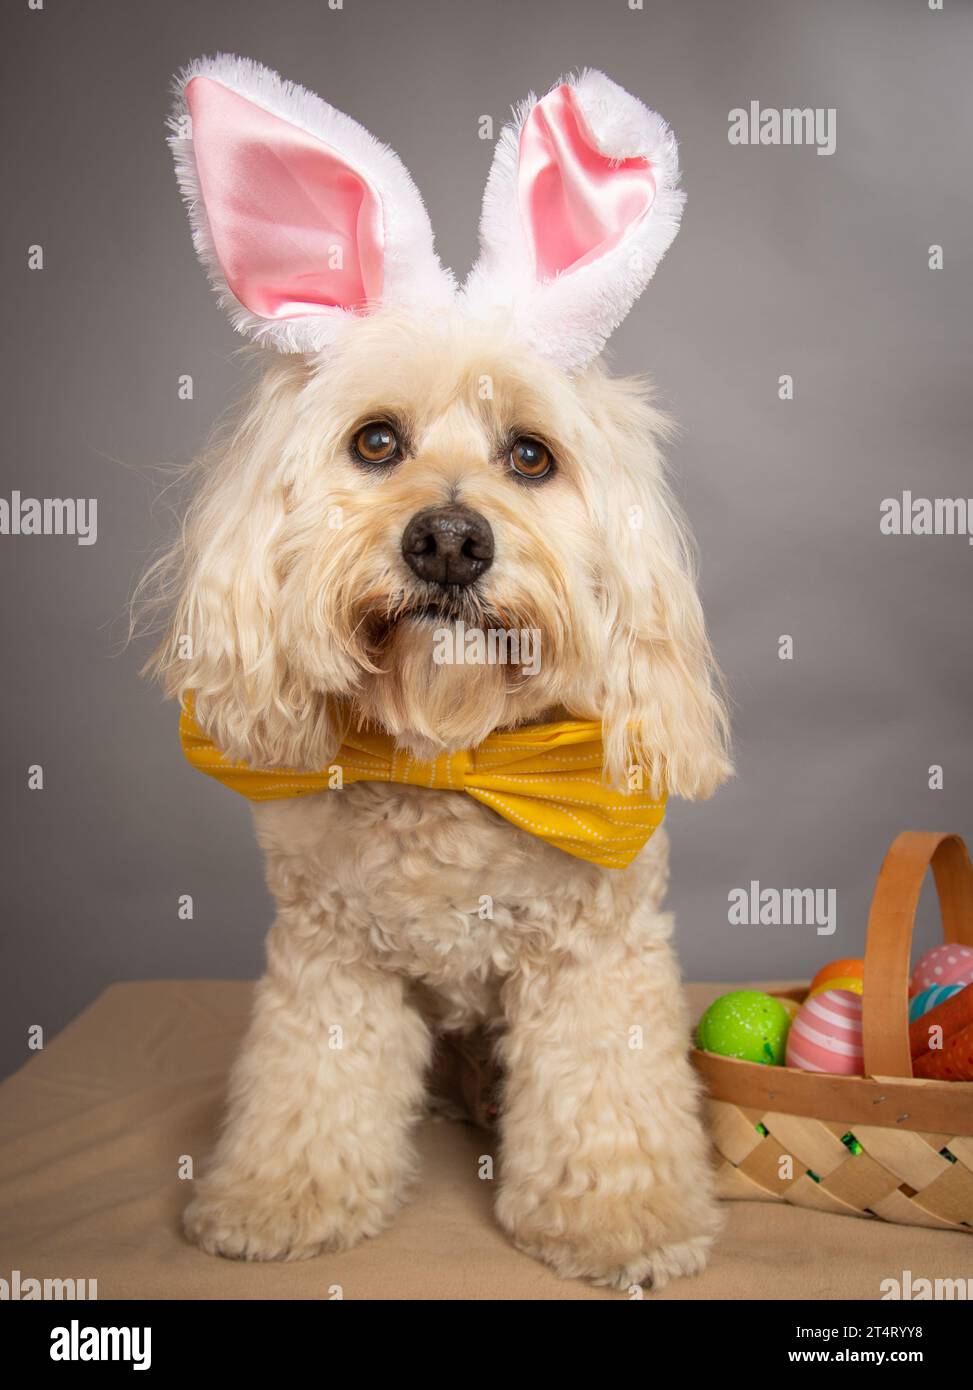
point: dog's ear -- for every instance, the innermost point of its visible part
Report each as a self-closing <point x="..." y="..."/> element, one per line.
<point x="663" y="712"/>
<point x="302" y="219"/>
<point x="581" y="205"/>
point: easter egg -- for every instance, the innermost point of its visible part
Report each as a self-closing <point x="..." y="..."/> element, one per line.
<point x="835" y="974"/>
<point x="745" y="1024"/>
<point x="921" y="1003"/>
<point x="827" y="1034"/>
<point x="943" y="965"/>
<point x="854" y="983"/>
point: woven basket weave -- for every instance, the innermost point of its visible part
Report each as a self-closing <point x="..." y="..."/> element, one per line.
<point x="913" y="1160"/>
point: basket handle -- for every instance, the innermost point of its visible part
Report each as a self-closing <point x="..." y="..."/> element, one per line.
<point x="885" y="1000"/>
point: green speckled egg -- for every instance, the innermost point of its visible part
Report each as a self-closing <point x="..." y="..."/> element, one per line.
<point x="745" y="1024"/>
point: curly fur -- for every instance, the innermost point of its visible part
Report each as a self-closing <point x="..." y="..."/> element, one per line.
<point x="293" y="614"/>
<point x="291" y="587"/>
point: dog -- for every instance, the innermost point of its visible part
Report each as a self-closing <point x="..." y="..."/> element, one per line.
<point x="421" y="459"/>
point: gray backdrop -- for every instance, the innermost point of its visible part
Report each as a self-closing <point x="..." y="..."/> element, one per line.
<point x="788" y="262"/>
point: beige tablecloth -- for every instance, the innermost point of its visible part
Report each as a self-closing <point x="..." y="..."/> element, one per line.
<point x="94" y="1127"/>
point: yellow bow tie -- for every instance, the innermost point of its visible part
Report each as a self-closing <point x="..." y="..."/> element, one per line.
<point x="545" y="778"/>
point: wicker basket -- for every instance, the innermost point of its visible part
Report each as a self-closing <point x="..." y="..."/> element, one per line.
<point x="913" y="1161"/>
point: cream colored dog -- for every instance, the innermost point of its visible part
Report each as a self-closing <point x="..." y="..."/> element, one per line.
<point x="421" y="455"/>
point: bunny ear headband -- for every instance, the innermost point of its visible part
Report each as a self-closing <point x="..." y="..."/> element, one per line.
<point x="305" y="222"/>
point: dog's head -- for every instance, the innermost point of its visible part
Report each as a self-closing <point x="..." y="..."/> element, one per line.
<point x="437" y="513"/>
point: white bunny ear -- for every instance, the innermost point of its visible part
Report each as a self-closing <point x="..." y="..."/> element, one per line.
<point x="581" y="205"/>
<point x="302" y="219"/>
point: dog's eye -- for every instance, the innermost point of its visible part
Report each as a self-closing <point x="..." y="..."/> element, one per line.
<point x="376" y="443"/>
<point x="530" y="458"/>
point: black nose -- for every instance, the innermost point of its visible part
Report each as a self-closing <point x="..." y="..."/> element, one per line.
<point x="448" y="545"/>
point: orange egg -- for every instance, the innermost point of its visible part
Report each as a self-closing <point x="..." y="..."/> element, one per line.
<point x="838" y="972"/>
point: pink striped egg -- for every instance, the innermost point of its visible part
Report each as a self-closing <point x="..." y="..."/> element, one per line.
<point x="943" y="965"/>
<point x="827" y="1034"/>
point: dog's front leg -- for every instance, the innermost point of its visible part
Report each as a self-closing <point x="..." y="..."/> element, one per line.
<point x="316" y="1151"/>
<point x="605" y="1170"/>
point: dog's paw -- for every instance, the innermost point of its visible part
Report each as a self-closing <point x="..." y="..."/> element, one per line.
<point x="241" y="1226"/>
<point x="591" y="1260"/>
<point x="654" y="1270"/>
<point x="619" y="1243"/>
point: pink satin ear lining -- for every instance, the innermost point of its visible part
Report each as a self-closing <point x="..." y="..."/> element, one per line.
<point x="297" y="230"/>
<point x="576" y="203"/>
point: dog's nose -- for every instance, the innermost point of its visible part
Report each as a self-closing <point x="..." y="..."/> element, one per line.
<point x="448" y="545"/>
